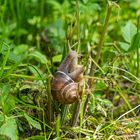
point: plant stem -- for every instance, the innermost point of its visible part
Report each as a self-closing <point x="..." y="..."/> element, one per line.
<point x="137" y="51"/>
<point x="50" y="104"/>
<point x="58" y="127"/>
<point x="42" y="9"/>
<point x="63" y="113"/>
<point x="78" y="104"/>
<point x="5" y="59"/>
<point x="13" y="9"/>
<point x="101" y="42"/>
<point x="118" y="89"/>
<point x="76" y="113"/>
<point x="78" y="25"/>
<point x="2" y="13"/>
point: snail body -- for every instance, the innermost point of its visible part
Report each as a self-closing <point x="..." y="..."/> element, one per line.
<point x="64" y="84"/>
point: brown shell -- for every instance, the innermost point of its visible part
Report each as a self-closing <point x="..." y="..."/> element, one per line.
<point x="64" y="84"/>
<point x="64" y="89"/>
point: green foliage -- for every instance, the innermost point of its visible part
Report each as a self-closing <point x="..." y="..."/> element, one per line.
<point x="135" y="42"/>
<point x="40" y="57"/>
<point x="7" y="102"/>
<point x="34" y="36"/>
<point x="9" y="128"/>
<point x="128" y="31"/>
<point x="32" y="122"/>
<point x="36" y="138"/>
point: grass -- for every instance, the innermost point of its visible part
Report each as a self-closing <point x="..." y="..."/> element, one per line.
<point x="33" y="39"/>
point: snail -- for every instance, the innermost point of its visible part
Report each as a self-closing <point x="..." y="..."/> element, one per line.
<point x="65" y="83"/>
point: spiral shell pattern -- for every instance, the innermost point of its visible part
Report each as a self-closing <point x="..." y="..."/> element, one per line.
<point x="64" y="89"/>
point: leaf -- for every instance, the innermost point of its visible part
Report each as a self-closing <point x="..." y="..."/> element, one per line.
<point x="4" y="93"/>
<point x="9" y="129"/>
<point x="34" y="20"/>
<point x="57" y="58"/>
<point x="4" y="48"/>
<point x="13" y="58"/>
<point x="124" y="46"/>
<point x="10" y="27"/>
<point x="6" y="101"/>
<point x="135" y="43"/>
<point x="93" y="120"/>
<point x="33" y="71"/>
<point x="56" y="5"/>
<point x="20" y="49"/>
<point x="1" y="119"/>
<point x="36" y="138"/>
<point x="9" y="104"/>
<point x="92" y="104"/>
<point x="32" y="122"/>
<point x="39" y="56"/>
<point x="108" y="55"/>
<point x="100" y="85"/>
<point x="21" y="31"/>
<point x="128" y="31"/>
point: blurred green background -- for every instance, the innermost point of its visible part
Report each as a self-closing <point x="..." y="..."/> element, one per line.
<point x="33" y="41"/>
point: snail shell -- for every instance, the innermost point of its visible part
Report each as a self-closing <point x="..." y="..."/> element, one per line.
<point x="64" y="89"/>
<point x="64" y="86"/>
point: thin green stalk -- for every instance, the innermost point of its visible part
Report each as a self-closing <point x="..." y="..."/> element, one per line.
<point x="115" y="121"/>
<point x="44" y="127"/>
<point x="137" y="51"/>
<point x="50" y="104"/>
<point x="4" y="59"/>
<point x="39" y="109"/>
<point x="78" y="25"/>
<point x="76" y="113"/>
<point x="101" y="42"/>
<point x="11" y="69"/>
<point x="50" y="108"/>
<point x="13" y="9"/>
<point x="102" y="38"/>
<point x="38" y="74"/>
<point x="123" y="97"/>
<point x="78" y="104"/>
<point x="25" y="76"/>
<point x="81" y="111"/>
<point x="3" y="13"/>
<point x="49" y="71"/>
<point x="63" y="113"/>
<point x="42" y="8"/>
<point x="18" y="6"/>
<point x="58" y="127"/>
<point x="136" y="78"/>
<point x="38" y="41"/>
